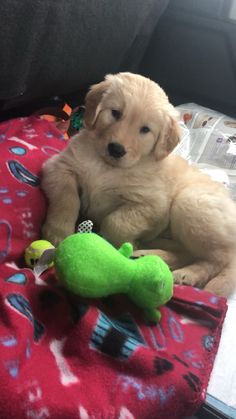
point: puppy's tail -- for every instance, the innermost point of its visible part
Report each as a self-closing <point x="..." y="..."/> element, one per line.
<point x="224" y="284"/>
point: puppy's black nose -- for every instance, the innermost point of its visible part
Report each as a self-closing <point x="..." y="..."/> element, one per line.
<point x="116" y="150"/>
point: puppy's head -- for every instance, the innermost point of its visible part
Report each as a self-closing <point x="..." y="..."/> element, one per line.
<point x="131" y="118"/>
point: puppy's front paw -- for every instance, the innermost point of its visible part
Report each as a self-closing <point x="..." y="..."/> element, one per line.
<point x="184" y="276"/>
<point x="55" y="233"/>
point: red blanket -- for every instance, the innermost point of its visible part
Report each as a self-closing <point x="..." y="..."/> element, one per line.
<point x="61" y="357"/>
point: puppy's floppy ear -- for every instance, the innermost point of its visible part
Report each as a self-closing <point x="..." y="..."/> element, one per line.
<point x="168" y="138"/>
<point x="92" y="101"/>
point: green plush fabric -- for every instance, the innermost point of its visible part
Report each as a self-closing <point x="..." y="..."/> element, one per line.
<point x="89" y="266"/>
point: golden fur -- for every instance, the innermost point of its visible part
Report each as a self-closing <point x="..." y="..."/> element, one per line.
<point x="146" y="192"/>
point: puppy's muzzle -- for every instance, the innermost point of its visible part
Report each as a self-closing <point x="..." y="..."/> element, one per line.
<point x="116" y="150"/>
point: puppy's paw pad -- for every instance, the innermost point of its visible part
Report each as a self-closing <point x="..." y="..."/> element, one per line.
<point x="182" y="277"/>
<point x="54" y="234"/>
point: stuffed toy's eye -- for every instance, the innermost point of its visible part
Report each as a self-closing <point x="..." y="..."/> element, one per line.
<point x="116" y="114"/>
<point x="144" y="129"/>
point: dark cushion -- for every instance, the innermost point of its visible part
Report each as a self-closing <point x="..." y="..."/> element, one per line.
<point x="50" y="47"/>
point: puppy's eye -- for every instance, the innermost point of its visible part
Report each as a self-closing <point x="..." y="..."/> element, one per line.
<point x="116" y="114"/>
<point x="144" y="130"/>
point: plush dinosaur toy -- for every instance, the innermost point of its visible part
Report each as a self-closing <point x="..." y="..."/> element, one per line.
<point x="89" y="266"/>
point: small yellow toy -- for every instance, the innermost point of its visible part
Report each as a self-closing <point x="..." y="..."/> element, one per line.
<point x="35" y="250"/>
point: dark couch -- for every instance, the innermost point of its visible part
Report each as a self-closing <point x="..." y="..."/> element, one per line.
<point x="58" y="47"/>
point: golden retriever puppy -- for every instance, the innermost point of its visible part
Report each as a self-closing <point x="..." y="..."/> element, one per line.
<point x="120" y="173"/>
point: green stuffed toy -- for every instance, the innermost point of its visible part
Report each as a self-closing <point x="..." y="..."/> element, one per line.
<point x="89" y="266"/>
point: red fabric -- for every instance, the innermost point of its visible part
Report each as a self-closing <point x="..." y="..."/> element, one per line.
<point x="65" y="358"/>
<point x="25" y="143"/>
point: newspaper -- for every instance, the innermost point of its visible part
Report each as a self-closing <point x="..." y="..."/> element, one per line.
<point x="209" y="141"/>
